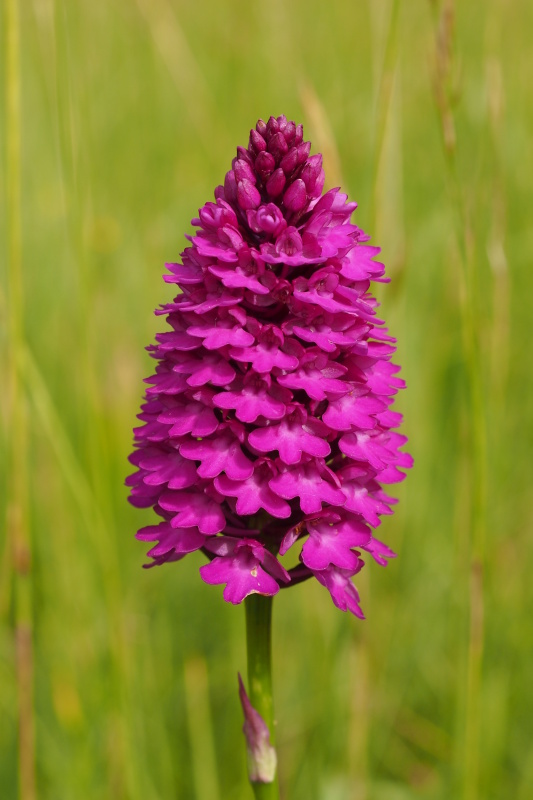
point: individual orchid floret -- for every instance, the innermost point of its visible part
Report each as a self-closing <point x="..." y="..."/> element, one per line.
<point x="292" y="437"/>
<point x="245" y="566"/>
<point x="268" y="420"/>
<point x="332" y="540"/>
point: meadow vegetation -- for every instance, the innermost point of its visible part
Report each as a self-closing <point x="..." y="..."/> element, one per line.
<point x="122" y="682"/>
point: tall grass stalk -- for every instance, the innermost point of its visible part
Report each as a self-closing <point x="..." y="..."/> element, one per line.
<point x="128" y="776"/>
<point x="180" y="60"/>
<point x="201" y="733"/>
<point x="19" y="539"/>
<point x="496" y="251"/>
<point x="445" y="91"/>
<point x="382" y="102"/>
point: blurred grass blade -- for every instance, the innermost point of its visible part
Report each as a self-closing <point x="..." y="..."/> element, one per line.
<point x="445" y="95"/>
<point x="382" y="100"/>
<point x="183" y="67"/>
<point x="200" y="727"/>
<point x="18" y="490"/>
<point x="105" y="556"/>
<point x="322" y="134"/>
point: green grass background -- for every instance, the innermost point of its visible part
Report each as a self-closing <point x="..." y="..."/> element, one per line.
<point x="130" y="112"/>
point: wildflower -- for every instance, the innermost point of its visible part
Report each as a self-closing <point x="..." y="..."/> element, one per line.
<point x="268" y="418"/>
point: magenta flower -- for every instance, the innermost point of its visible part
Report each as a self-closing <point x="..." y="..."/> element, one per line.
<point x="268" y="418"/>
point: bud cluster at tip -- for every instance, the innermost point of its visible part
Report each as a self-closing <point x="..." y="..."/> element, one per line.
<point x="276" y="167"/>
<point x="268" y="418"/>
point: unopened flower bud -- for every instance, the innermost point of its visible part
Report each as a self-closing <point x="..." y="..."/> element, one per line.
<point x="257" y="141"/>
<point x="303" y="152"/>
<point x="247" y="195"/>
<point x="289" y="131"/>
<point x="278" y="146"/>
<point x="243" y="171"/>
<point x="289" y="161"/>
<point x="244" y="154"/>
<point x="265" y="164"/>
<point x="311" y="171"/>
<point x="276" y="183"/>
<point x="295" y="197"/>
<point x="272" y="126"/>
<point x="230" y="187"/>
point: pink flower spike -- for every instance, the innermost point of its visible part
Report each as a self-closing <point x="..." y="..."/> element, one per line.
<point x="269" y="418"/>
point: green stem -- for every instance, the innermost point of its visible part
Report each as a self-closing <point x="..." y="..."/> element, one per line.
<point x="258" y="610"/>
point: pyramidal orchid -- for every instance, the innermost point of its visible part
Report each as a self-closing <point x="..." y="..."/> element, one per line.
<point x="267" y="423"/>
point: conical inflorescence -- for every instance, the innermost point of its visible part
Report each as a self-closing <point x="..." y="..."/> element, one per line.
<point x="268" y="420"/>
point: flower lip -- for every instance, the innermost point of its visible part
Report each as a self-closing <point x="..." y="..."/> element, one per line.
<point x="245" y="566"/>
